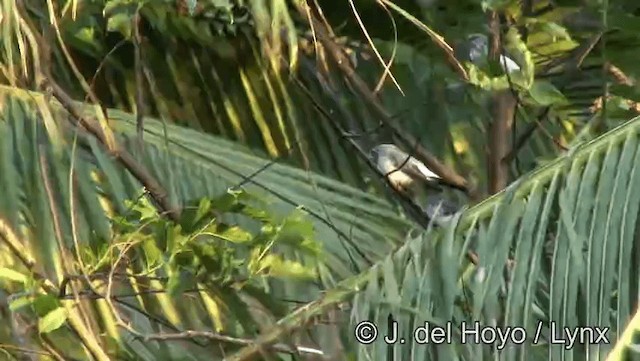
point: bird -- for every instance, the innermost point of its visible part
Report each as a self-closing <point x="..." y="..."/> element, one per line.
<point x="479" y="50"/>
<point x="439" y="209"/>
<point x="403" y="170"/>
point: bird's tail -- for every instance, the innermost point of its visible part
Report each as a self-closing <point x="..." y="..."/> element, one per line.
<point x="444" y="183"/>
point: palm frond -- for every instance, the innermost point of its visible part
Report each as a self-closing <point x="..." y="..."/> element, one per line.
<point x="556" y="249"/>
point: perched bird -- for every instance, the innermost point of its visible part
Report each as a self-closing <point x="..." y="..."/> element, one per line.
<point x="401" y="169"/>
<point x="479" y="50"/>
<point x="439" y="209"/>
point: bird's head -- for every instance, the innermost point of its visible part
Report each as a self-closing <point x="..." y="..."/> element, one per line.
<point x="478" y="46"/>
<point x="477" y="38"/>
<point x="381" y="150"/>
<point x="373" y="153"/>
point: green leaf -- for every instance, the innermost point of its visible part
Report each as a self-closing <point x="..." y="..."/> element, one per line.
<point x="549" y="28"/>
<point x="235" y="234"/>
<point x="496" y="5"/>
<point x="120" y="23"/>
<point x="276" y="266"/>
<point x="522" y="56"/>
<point x="193" y="214"/>
<point x="145" y="208"/>
<point x="298" y="231"/>
<point x="43" y="304"/>
<point x="203" y="209"/>
<point x="152" y="254"/>
<point x="223" y="4"/>
<point x="180" y="281"/>
<point x="20" y="302"/>
<point x="53" y="320"/>
<point x="544" y="93"/>
<point x="11" y="275"/>
<point x="119" y="16"/>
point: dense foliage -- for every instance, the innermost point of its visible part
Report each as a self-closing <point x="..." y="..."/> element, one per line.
<point x="188" y="180"/>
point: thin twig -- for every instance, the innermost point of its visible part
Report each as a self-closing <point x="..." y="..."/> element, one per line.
<point x="437" y="39"/>
<point x="24" y="350"/>
<point x="92" y="295"/>
<point x="137" y="43"/>
<point x="575" y="59"/>
<point x="213" y="336"/>
<point x="66" y="258"/>
<point x="524" y="137"/>
<point x="102" y="64"/>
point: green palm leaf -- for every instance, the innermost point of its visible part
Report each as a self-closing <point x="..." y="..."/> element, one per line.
<point x="355" y="228"/>
<point x="556" y="248"/>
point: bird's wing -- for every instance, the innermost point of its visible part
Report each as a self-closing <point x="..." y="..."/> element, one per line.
<point x="440" y="210"/>
<point x="417" y="169"/>
<point x="508" y="65"/>
<point x="386" y="166"/>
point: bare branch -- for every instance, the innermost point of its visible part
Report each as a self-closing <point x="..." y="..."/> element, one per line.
<point x="213" y="336"/>
<point x="137" y="43"/>
<point x="503" y="107"/>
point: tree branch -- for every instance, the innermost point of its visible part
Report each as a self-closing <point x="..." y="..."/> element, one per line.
<point x="503" y="106"/>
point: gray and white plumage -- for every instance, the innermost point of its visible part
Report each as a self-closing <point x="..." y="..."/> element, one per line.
<point x="400" y="168"/>
<point x="479" y="50"/>
<point x="439" y="209"/>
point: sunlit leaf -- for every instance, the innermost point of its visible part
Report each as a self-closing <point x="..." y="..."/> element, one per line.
<point x="53" y="320"/>
<point x="11" y="275"/>
<point x="544" y="93"/>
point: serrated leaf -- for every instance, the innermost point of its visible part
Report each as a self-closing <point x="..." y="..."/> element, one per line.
<point x="11" y="275"/>
<point x="53" y="320"/>
<point x="522" y="56"/>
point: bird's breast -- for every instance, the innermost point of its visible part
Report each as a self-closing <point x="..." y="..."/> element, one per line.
<point x="399" y="178"/>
